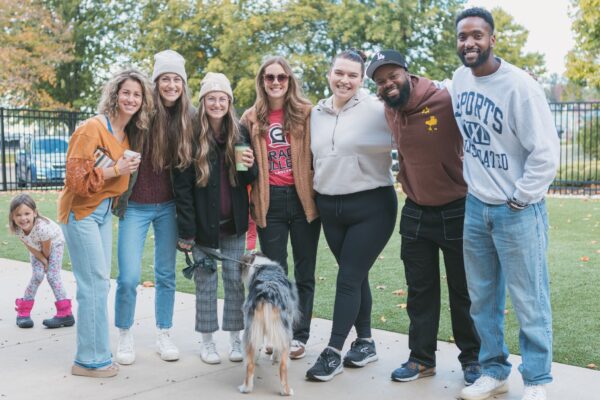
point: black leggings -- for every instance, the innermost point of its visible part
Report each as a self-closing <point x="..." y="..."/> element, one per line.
<point x="357" y="227"/>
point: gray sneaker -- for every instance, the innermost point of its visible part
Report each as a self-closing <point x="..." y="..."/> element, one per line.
<point x="328" y="365"/>
<point x="360" y="354"/>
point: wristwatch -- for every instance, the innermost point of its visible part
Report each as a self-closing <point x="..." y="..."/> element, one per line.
<point x="516" y="204"/>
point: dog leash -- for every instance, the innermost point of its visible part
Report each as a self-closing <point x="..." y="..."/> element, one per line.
<point x="212" y="254"/>
<point x="220" y="256"/>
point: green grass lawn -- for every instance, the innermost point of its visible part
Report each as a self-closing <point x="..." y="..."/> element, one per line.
<point x="574" y="260"/>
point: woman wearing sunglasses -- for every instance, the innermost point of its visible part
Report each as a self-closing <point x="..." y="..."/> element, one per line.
<point x="282" y="198"/>
<point x="352" y="144"/>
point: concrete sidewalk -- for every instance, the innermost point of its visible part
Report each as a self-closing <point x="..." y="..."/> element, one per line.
<point x="36" y="362"/>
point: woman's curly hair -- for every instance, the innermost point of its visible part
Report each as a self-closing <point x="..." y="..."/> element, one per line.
<point x="138" y="126"/>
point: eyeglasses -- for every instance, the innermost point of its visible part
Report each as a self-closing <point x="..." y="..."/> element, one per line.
<point x="270" y="78"/>
<point x="217" y="100"/>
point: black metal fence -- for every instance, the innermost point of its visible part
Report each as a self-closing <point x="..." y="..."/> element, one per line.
<point x="578" y="126"/>
<point x="33" y="146"/>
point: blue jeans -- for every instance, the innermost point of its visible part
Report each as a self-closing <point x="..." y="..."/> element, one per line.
<point x="133" y="229"/>
<point x="506" y="248"/>
<point x="89" y="241"/>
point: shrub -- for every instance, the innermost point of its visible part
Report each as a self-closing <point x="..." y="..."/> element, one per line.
<point x="589" y="137"/>
<point x="578" y="173"/>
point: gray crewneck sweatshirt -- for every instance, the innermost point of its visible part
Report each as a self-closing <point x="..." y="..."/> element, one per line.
<point x="510" y="141"/>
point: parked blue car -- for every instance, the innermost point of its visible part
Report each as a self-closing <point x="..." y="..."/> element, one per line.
<point x="41" y="161"/>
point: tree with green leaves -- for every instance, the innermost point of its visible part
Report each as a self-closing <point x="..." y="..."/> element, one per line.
<point x="234" y="36"/>
<point x="510" y="42"/>
<point x="33" y="41"/>
<point x="97" y="45"/>
<point x="583" y="62"/>
<point x="211" y="36"/>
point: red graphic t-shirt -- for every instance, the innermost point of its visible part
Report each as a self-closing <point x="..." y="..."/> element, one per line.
<point x="279" y="152"/>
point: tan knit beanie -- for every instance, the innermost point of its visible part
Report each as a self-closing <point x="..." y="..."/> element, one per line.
<point x="215" y="82"/>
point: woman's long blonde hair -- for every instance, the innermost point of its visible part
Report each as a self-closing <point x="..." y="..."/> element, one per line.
<point x="137" y="128"/>
<point x="167" y="130"/>
<point x="205" y="144"/>
<point x="294" y="104"/>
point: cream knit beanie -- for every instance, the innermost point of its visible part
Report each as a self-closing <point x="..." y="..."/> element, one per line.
<point x="169" y="61"/>
<point x="215" y="82"/>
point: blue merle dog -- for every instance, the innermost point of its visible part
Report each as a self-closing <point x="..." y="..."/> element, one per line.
<point x="270" y="311"/>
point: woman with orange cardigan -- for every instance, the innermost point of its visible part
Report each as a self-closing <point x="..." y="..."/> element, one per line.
<point x="97" y="172"/>
<point x="282" y="197"/>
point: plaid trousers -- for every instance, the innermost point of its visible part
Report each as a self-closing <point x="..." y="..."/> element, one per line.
<point x="206" y="290"/>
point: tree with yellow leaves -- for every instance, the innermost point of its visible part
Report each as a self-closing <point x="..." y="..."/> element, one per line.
<point x="583" y="62"/>
<point x="32" y="42"/>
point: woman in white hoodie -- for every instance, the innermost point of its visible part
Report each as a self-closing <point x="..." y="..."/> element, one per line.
<point x="351" y="145"/>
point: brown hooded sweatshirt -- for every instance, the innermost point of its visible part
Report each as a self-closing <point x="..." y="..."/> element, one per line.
<point x="430" y="147"/>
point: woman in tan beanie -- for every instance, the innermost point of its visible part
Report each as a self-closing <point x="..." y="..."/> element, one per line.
<point x="282" y="197"/>
<point x="212" y="211"/>
<point x="149" y="201"/>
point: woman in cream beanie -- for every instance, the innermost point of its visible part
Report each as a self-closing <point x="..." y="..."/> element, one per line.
<point x="212" y="211"/>
<point x="150" y="201"/>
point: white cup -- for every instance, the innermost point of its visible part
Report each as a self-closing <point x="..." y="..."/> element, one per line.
<point x="131" y="154"/>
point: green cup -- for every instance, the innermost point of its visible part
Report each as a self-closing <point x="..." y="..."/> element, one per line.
<point x="239" y="150"/>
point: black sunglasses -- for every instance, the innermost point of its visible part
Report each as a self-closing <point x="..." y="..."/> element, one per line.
<point x="279" y="78"/>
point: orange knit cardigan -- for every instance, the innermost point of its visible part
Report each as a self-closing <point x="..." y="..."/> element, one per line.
<point x="85" y="186"/>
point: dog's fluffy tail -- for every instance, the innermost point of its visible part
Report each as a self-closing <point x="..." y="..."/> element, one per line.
<point x="267" y="325"/>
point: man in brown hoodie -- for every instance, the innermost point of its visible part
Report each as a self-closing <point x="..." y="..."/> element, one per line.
<point x="430" y="148"/>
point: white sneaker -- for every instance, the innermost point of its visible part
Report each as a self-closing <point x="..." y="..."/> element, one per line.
<point x="297" y="350"/>
<point x="483" y="388"/>
<point x="534" y="392"/>
<point x="125" y="349"/>
<point x="235" y="351"/>
<point x="208" y="353"/>
<point x="167" y="350"/>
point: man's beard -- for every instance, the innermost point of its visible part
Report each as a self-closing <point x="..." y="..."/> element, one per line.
<point x="401" y="99"/>
<point x="481" y="58"/>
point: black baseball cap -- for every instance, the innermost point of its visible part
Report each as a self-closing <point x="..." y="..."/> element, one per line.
<point x="385" y="57"/>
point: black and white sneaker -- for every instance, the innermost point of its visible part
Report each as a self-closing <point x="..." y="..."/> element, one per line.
<point x="361" y="353"/>
<point x="328" y="365"/>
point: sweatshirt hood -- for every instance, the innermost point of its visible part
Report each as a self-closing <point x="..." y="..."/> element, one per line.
<point x="327" y="104"/>
<point x="420" y="91"/>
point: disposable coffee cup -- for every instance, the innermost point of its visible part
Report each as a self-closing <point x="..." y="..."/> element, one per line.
<point x="239" y="150"/>
<point x="131" y="154"/>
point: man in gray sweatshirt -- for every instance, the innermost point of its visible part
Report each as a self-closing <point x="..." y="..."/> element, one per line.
<point x="511" y="156"/>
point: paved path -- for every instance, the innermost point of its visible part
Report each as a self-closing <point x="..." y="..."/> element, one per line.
<point x="36" y="362"/>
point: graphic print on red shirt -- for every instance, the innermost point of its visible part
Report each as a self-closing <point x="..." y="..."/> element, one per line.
<point x="279" y="152"/>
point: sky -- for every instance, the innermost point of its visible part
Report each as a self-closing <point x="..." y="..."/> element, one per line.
<point x="548" y="24"/>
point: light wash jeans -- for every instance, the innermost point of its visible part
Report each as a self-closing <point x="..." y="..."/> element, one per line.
<point x="506" y="248"/>
<point x="133" y="229"/>
<point x="89" y="241"/>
